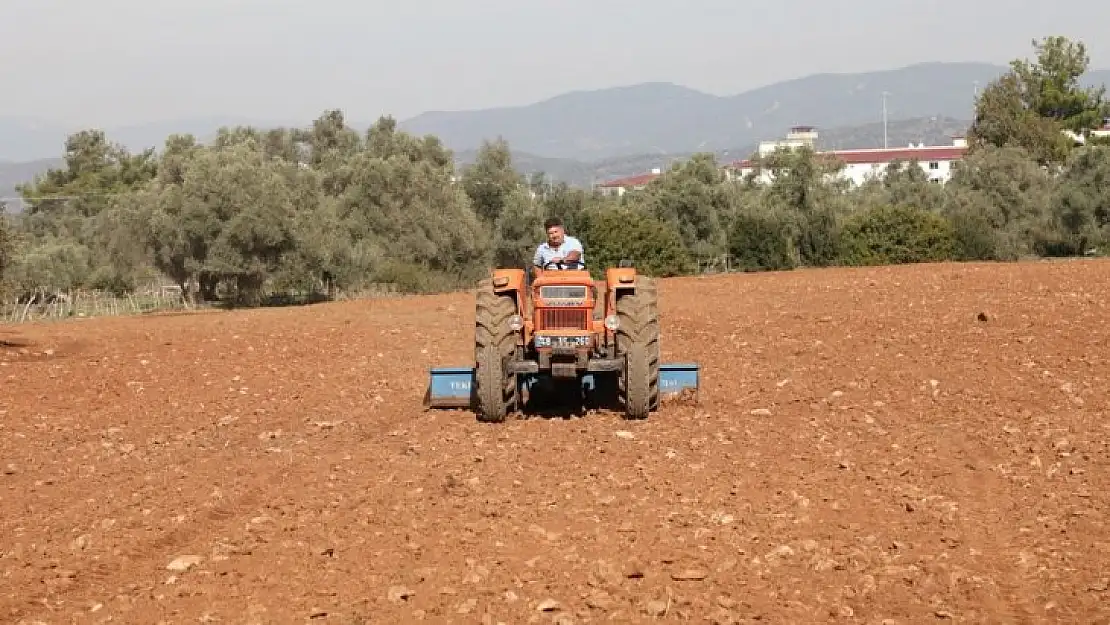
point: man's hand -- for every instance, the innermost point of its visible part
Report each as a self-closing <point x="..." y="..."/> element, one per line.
<point x="556" y="259"/>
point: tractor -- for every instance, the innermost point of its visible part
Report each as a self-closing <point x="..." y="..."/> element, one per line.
<point x="565" y="331"/>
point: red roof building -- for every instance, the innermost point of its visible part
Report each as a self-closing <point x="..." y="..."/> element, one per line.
<point x="620" y="186"/>
<point x="861" y="165"/>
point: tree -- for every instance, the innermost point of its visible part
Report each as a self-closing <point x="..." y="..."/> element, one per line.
<point x="888" y="235"/>
<point x="630" y="232"/>
<point x="693" y="196"/>
<point x="71" y="228"/>
<point x="1036" y="101"/>
<point x="404" y="212"/>
<point x="518" y="230"/>
<point x="806" y="187"/>
<point x="1051" y="85"/>
<point x="95" y="170"/>
<point x="1000" y="194"/>
<point x="907" y="184"/>
<point x="759" y="241"/>
<point x="231" y="219"/>
<point x="7" y="243"/>
<point x="491" y="181"/>
<point x="568" y="204"/>
<point x="1081" y="219"/>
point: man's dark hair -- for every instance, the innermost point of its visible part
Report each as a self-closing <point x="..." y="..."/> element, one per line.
<point x="551" y="222"/>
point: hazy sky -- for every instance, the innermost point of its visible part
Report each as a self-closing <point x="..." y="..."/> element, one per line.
<point x="111" y="62"/>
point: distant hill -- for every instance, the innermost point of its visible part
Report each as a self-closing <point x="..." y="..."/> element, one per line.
<point x="25" y="139"/>
<point x="927" y="130"/>
<point x="665" y="118"/>
<point x="644" y="119"/>
<point x="12" y="174"/>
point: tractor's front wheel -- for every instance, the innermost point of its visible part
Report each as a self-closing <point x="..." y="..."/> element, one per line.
<point x="638" y="341"/>
<point x="494" y="344"/>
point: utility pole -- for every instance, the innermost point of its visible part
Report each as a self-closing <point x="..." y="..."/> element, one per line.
<point x="886" y="143"/>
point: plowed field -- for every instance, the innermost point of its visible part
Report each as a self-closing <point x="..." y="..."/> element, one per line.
<point x="892" y="445"/>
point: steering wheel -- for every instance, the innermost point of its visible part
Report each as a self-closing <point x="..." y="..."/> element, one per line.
<point x="563" y="264"/>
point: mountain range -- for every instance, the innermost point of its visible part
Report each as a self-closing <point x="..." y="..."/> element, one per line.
<point x="584" y="136"/>
<point x="663" y="118"/>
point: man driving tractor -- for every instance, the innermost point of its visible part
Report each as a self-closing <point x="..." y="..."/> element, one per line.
<point x="560" y="250"/>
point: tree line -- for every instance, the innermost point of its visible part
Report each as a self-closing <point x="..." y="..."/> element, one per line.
<point x="264" y="213"/>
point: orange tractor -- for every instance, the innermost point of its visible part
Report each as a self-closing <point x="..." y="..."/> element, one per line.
<point x="564" y="329"/>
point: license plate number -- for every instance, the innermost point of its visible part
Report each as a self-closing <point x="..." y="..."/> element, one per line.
<point x="562" y="341"/>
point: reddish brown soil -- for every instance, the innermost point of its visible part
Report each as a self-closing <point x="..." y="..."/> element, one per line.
<point x="868" y="449"/>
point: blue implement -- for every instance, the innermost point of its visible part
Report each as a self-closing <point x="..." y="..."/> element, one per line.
<point x="452" y="387"/>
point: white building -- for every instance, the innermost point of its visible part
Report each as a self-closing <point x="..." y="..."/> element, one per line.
<point x="798" y="137"/>
<point x="860" y="165"/>
<point x="1101" y="132"/>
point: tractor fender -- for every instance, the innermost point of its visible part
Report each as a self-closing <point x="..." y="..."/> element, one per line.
<point x="620" y="278"/>
<point x="507" y="281"/>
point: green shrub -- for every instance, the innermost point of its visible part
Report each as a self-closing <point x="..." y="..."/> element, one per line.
<point x="974" y="237"/>
<point x="410" y="277"/>
<point x="759" y="243"/>
<point x="889" y="235"/>
<point x="818" y="238"/>
<point x="653" y="244"/>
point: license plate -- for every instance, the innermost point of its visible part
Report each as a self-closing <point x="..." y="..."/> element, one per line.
<point x="562" y="341"/>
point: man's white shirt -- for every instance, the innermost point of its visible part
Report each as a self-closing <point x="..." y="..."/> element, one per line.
<point x="544" y="253"/>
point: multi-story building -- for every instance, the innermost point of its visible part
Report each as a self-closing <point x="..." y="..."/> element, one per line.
<point x="860" y="165"/>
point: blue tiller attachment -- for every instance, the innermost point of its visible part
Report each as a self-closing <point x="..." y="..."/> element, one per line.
<point x="452" y="387"/>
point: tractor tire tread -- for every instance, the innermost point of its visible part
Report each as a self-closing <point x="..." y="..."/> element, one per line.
<point x="494" y="344"/>
<point x="638" y="341"/>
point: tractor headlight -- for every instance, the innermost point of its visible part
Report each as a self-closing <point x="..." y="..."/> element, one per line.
<point x="612" y="322"/>
<point x="516" y="322"/>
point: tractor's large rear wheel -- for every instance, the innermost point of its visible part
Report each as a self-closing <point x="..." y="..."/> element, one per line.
<point x="494" y="344"/>
<point x="638" y="343"/>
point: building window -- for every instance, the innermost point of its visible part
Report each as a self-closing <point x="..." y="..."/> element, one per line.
<point x="934" y="165"/>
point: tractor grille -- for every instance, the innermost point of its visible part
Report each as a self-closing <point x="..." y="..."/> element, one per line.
<point x="564" y="319"/>
<point x="563" y="292"/>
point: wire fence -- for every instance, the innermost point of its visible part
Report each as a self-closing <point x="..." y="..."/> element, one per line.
<point x="44" y="305"/>
<point x="721" y="263"/>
